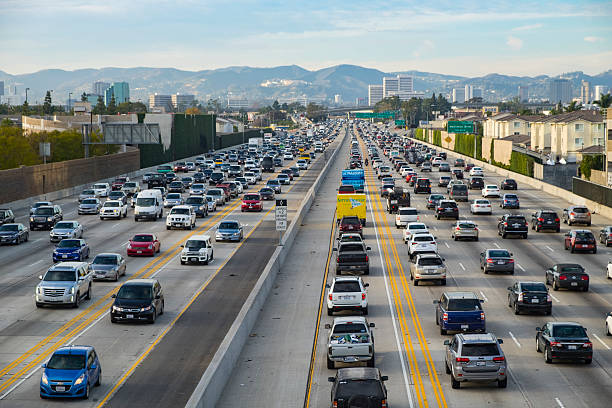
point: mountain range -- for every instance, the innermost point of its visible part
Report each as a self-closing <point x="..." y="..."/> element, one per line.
<point x="285" y="83"/>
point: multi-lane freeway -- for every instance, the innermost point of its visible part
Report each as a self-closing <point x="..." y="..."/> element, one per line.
<point x="280" y="367"/>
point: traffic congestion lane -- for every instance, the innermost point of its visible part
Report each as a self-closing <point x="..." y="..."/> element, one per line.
<point x="139" y="225"/>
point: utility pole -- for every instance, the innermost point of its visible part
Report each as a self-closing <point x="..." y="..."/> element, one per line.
<point x="27" y="89"/>
<point x="69" y="104"/>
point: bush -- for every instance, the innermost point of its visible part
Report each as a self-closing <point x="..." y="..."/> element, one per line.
<point x="420" y="134"/>
<point x="590" y="162"/>
<point x="437" y="138"/>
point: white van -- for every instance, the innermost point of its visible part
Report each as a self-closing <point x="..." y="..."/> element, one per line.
<point x="149" y="204"/>
<point x="197" y="249"/>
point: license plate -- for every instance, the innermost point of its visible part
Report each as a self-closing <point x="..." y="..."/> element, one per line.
<point x="465" y="326"/>
<point x="500" y="262"/>
<point x="64" y="256"/>
<point x="535" y="300"/>
<point x="350" y="359"/>
<point x="480" y="363"/>
<point x="139" y="252"/>
<point x="131" y="316"/>
<point x="193" y="259"/>
<point x="574" y="283"/>
<point x="549" y="222"/>
<point x="583" y="246"/>
<point x="571" y="347"/>
<point x="60" y="389"/>
<point x="516" y="225"/>
<point x="176" y="224"/>
<point x="346" y="297"/>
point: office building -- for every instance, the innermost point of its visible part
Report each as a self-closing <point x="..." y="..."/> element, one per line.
<point x="1" y="88"/>
<point x="99" y="87"/>
<point x="458" y="95"/>
<point x="468" y="92"/>
<point x="236" y="102"/>
<point x="360" y="101"/>
<point x="523" y="93"/>
<point x="163" y="103"/>
<point x="375" y="94"/>
<point x="121" y="92"/>
<point x="390" y="86"/>
<point x="599" y="90"/>
<point x="560" y="90"/>
<point x="337" y="99"/>
<point x="585" y="92"/>
<point x="406" y="84"/>
<point x="182" y="102"/>
<point x="477" y="93"/>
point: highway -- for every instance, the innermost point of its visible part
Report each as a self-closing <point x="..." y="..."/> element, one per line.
<point x="279" y="368"/>
<point x="200" y="304"/>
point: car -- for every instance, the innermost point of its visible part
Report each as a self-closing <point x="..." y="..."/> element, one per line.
<point x="580" y="240"/>
<point x="117" y="195"/>
<point x="433" y="199"/>
<point x="458" y="173"/>
<point x="173" y="199"/>
<point x="251" y="202"/>
<point x="347" y="293"/>
<point x="250" y="177"/>
<point x="413" y="228"/>
<point x="89" y="206"/>
<point x="458" y="191"/>
<point x="529" y="297"/>
<point x="460" y="312"/>
<point x="197" y="189"/>
<point x="13" y="233"/>
<point x="302" y="164"/>
<point x="199" y="177"/>
<point x="476" y="171"/>
<point x="180" y="166"/>
<point x="464" y="229"/>
<point x="108" y="266"/>
<point x="164" y="169"/>
<point x="181" y="216"/>
<point x="71" y="250"/>
<point x="443" y="181"/>
<point x="475" y="358"/>
<point x="118" y="183"/>
<point x="352" y="257"/>
<point x="229" y="230"/>
<point x="459" y="163"/>
<point x="71" y="372"/>
<point x="346" y="189"/>
<point x="497" y="260"/>
<point x="40" y="204"/>
<point x="131" y="188"/>
<point x="426" y="166"/>
<point x="146" y="177"/>
<point x="212" y="203"/>
<point x="294" y="170"/>
<point x="481" y="206"/>
<point x="199" y="205"/>
<point x="198" y="249"/>
<point x="545" y="219"/>
<point x="216" y="177"/>
<point x="143" y="244"/>
<point x="405" y="215"/>
<point x="350" y="224"/>
<point x="576" y="214"/>
<point x="510" y="201"/>
<point x="422" y="244"/>
<point x="101" y="189"/>
<point x="567" y="276"/>
<point x="490" y="190"/>
<point x="513" y="224"/>
<point x="157" y="180"/>
<point x="564" y="341"/>
<point x="283" y="178"/>
<point x="350" y="341"/>
<point x="218" y="194"/>
<point x="475" y="183"/>
<point x="443" y="166"/>
<point x="138" y="300"/>
<point x="428" y="267"/>
<point x="288" y="156"/>
<point x="362" y="385"/>
<point x="605" y="236"/>
<point x="191" y="166"/>
<point x="350" y="237"/>
<point x="386" y="189"/>
<point x="508" y="184"/>
<point x="422" y="185"/>
<point x="447" y="209"/>
<point x="176" y="187"/>
<point x="66" y="229"/>
<point x="242" y="181"/>
<point x="275" y="185"/>
<point x="113" y="209"/>
<point x="65" y="283"/>
<point x="85" y="194"/>
<point x="45" y="217"/>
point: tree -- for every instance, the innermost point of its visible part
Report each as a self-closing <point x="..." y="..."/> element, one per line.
<point x="83" y="97"/>
<point x="573" y="106"/>
<point x="47" y="107"/>
<point x="604" y="101"/>
<point x="315" y="112"/>
<point x="25" y="109"/>
<point x="276" y="106"/>
<point x="100" y="108"/>
<point x="192" y="111"/>
<point x="111" y="109"/>
<point x="131" y="107"/>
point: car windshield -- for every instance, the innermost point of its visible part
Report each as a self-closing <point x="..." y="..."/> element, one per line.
<point x="499" y="253"/>
<point x="479" y="350"/>
<point x="516" y="220"/>
<point x="482" y="201"/>
<point x="194" y="200"/>
<point x="273" y="182"/>
<point x="90" y="201"/>
<point x="533" y="287"/>
<point x="88" y="192"/>
<point x="430" y="261"/>
<point x="350" y="286"/>
<point x="64" y="225"/>
<point x="198" y="187"/>
<point x="459" y="187"/>
<point x="568" y="331"/>
<point x="252" y="197"/>
<point x="195" y="244"/>
<point x="351" y="247"/>
<point x="417" y="227"/>
<point x="9" y="227"/>
<point x="448" y="205"/>
<point x="228" y="225"/>
<point x="134" y="292"/>
<point x="182" y="211"/>
<point x="173" y="196"/>
<point x="348" y="328"/>
<point x="60" y="276"/>
<point x="67" y="362"/>
<point x="510" y="196"/>
<point x="464" y="305"/>
<point x="100" y="186"/>
<point x="143" y="238"/>
<point x="467" y="225"/>
<point x="69" y="243"/>
<point x="348" y="388"/>
<point x="571" y="268"/>
<point x="584" y="235"/>
<point x="351" y="221"/>
<point x="145" y="202"/>
<point x="43" y="211"/>
<point x="580" y="210"/>
<point x="130" y="184"/>
<point x="214" y="192"/>
<point x="105" y="260"/>
<point x="423" y="182"/>
<point x="176" y="184"/>
<point x="422" y="238"/>
<point x="111" y="204"/>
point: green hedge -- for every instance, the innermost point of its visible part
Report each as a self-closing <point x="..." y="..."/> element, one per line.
<point x="590" y="162"/>
<point x="420" y="134"/>
<point x="437" y="137"/>
<point x="464" y="144"/>
<point x="519" y="162"/>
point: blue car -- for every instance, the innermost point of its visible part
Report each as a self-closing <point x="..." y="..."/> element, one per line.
<point x="70" y="373"/>
<point x="71" y="250"/>
<point x="229" y="230"/>
<point x="460" y="312"/>
<point x="510" y="201"/>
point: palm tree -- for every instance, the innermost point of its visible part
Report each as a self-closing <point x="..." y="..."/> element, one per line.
<point x="604" y="101"/>
<point x="573" y="106"/>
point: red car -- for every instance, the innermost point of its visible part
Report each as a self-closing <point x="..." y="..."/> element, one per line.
<point x="143" y="244"/>
<point x="251" y="202"/>
<point x="180" y="166"/>
<point x="580" y="240"/>
<point x="119" y="182"/>
<point x="226" y="189"/>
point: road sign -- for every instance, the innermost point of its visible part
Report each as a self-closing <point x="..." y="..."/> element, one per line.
<point x="377" y="115"/>
<point x="448" y="139"/>
<point x="280" y="215"/>
<point x="400" y="123"/>
<point x="460" y="126"/>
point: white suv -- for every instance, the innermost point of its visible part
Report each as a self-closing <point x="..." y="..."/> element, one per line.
<point x="347" y="293"/>
<point x="414" y="228"/>
<point x="198" y="249"/>
<point x="181" y="216"/>
<point x="113" y="209"/>
<point x="405" y="215"/>
<point x="422" y="244"/>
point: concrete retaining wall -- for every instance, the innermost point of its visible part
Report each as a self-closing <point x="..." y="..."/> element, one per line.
<point x="211" y="385"/>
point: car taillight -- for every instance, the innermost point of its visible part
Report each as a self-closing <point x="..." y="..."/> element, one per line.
<point x="589" y="214"/>
<point x="337" y="259"/>
<point x="548" y="298"/>
<point x="439" y="208"/>
<point x="499" y="359"/>
<point x="489" y="260"/>
<point x="458" y="228"/>
<point x="482" y="316"/>
<point x="445" y="317"/>
<point x="572" y="213"/>
<point x="555" y="344"/>
<point x="505" y="224"/>
<point x="367" y="259"/>
<point x="335" y="404"/>
<point x="330" y="297"/>
<point x="562" y="277"/>
<point x="557" y="220"/>
<point x="520" y="297"/>
<point x="383" y="403"/>
<point x="584" y="277"/>
<point x="541" y="219"/>
<point x="588" y="344"/>
<point x="510" y="260"/>
<point x="462" y="360"/>
<point x="363" y="296"/>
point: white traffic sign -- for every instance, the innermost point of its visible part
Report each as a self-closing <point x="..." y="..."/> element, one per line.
<point x="280" y="215"/>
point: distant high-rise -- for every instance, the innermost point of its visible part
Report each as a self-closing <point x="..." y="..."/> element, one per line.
<point x="523" y="92"/>
<point x="477" y="93"/>
<point x="390" y="86"/>
<point x="375" y="94"/>
<point x="1" y="88"/>
<point x="458" y="95"/>
<point x="560" y="90"/>
<point x="238" y="102"/>
<point x="182" y="102"/>
<point x="99" y="87"/>
<point x="158" y="101"/>
<point x="360" y="101"/>
<point x="599" y="90"/>
<point x="406" y="83"/>
<point x="337" y="99"/>
<point x="468" y="92"/>
<point x="585" y="92"/>
<point x="121" y="91"/>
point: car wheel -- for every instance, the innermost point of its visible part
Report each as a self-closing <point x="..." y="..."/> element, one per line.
<point x="443" y="282"/>
<point x="330" y="364"/>
<point x="416" y="282"/>
<point x="502" y="383"/>
<point x="595" y="250"/>
<point x="486" y="271"/>
<point x="572" y="249"/>
<point x="547" y="355"/>
<point x="154" y="317"/>
<point x="608" y="330"/>
<point x="554" y="285"/>
<point x="517" y="311"/>
<point x="446" y="369"/>
<point x="442" y="331"/>
<point x="86" y="396"/>
<point x="538" y="346"/>
<point x="183" y="262"/>
<point x="330" y="311"/>
<point x="503" y="235"/>
<point x="454" y="383"/>
<point x="98" y="381"/>
<point x="163" y="306"/>
<point x="88" y="295"/>
<point x="371" y="361"/>
<point x="77" y="300"/>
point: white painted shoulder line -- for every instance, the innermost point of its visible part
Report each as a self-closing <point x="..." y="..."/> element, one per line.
<point x="601" y="341"/>
<point x="554" y="298"/>
<point x="496" y="245"/>
<point x="559" y="403"/>
<point x="515" y="340"/>
<point x="461" y="265"/>
<point x="520" y="267"/>
<point x="483" y="296"/>
<point x="551" y="250"/>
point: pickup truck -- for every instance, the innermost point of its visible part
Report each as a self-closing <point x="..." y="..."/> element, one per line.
<point x="352" y="257"/>
<point x="350" y="341"/>
<point x="398" y="198"/>
<point x="461" y="312"/>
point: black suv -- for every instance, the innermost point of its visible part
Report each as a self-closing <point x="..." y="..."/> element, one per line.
<point x="605" y="234"/>
<point x="157" y="180"/>
<point x="138" y="300"/>
<point x="476" y="183"/>
<point x="511" y="224"/>
<point x="45" y="217"/>
<point x="358" y="387"/>
<point x="545" y="219"/>
<point x="422" y="185"/>
<point x="6" y="216"/>
<point x="447" y="209"/>
<point x="529" y="297"/>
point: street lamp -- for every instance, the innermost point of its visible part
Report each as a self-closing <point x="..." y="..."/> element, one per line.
<point x="27" y="89"/>
<point x="69" y="104"/>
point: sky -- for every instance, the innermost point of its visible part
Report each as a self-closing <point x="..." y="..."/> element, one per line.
<point x="470" y="38"/>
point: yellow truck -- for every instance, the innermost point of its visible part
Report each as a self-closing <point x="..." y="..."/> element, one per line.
<point x="305" y="156"/>
<point x="351" y="204"/>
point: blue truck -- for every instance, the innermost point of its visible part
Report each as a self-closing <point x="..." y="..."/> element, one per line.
<point x="460" y="312"/>
<point x="355" y="177"/>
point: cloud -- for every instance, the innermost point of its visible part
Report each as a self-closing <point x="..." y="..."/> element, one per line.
<point x="514" y="43"/>
<point x="528" y="27"/>
<point x="592" y="39"/>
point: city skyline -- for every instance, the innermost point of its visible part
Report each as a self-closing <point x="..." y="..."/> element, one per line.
<point x="470" y="39"/>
